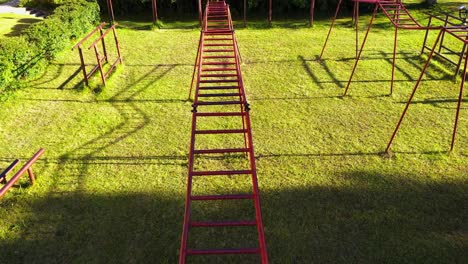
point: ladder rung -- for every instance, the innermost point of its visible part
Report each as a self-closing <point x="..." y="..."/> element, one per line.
<point x="219" y="57"/>
<point x="219" y="151"/>
<point x="222" y="131"/>
<point x="208" y="51"/>
<point x="223" y="251"/>
<point x="219" y="95"/>
<point x="220" y="103"/>
<point x="214" y="173"/>
<point x="222" y="197"/>
<point x="219" y="63"/>
<point x="218" y="81"/>
<point x="219" y="75"/>
<point x="221" y="114"/>
<point x="223" y="224"/>
<point x="216" y="39"/>
<point x="218" y="69"/>
<point x="217" y="45"/>
<point x="218" y="87"/>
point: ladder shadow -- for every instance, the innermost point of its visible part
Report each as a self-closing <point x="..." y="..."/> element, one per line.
<point x="134" y="119"/>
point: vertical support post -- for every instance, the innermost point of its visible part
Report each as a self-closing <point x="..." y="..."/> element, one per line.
<point x="155" y="11"/>
<point x="460" y="98"/>
<point x="103" y="46"/>
<point x="356" y="20"/>
<point x="200" y="15"/>
<point x="462" y="55"/>
<point x="362" y="48"/>
<point x="83" y="66"/>
<point x="414" y="90"/>
<point x="110" y="11"/>
<point x="270" y="6"/>
<point x="331" y="27"/>
<point x="443" y="34"/>
<point x="117" y="45"/>
<point x="245" y="13"/>
<point x="197" y="59"/>
<point x="426" y="35"/>
<point x="395" y="44"/>
<point x="312" y="11"/>
<point x="31" y="175"/>
<point x="98" y="57"/>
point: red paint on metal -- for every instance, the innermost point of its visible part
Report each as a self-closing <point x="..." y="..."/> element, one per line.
<point x="217" y="14"/>
<point x="459" y="34"/>
<point x="399" y="17"/>
<point x="99" y="58"/>
<point x="24" y="169"/>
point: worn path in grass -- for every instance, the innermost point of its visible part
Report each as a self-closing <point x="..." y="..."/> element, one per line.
<point x="111" y="185"/>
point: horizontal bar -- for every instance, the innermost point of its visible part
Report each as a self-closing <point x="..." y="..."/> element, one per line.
<point x="89" y="35"/>
<point x="16" y="177"/>
<point x="223" y="251"/>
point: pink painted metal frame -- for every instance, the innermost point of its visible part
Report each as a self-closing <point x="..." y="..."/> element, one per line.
<point x="460" y="34"/>
<point x="398" y="15"/>
<point x="218" y="37"/>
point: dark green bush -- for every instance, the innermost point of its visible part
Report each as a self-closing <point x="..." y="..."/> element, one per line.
<point x="26" y="56"/>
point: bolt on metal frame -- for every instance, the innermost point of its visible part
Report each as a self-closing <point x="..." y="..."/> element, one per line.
<point x="101" y="59"/>
<point x="219" y="83"/>
<point x="460" y="34"/>
<point x="15" y="178"/>
<point x="399" y="17"/>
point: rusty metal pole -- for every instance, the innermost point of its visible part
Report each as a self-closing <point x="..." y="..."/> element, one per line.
<point x="200" y="15"/>
<point x="270" y="6"/>
<point x="31" y="175"/>
<point x="110" y="11"/>
<point x="312" y="10"/>
<point x="155" y="11"/>
<point x="83" y="66"/>
<point x="245" y="13"/>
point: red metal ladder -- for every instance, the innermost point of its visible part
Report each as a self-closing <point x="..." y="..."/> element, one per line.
<point x="219" y="85"/>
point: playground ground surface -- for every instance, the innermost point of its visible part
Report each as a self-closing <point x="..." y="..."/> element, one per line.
<point x="111" y="185"/>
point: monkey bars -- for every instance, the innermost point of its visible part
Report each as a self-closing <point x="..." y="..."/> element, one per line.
<point x="461" y="35"/>
<point x="398" y="16"/>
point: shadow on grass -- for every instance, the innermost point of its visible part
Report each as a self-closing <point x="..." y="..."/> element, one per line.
<point x="21" y="25"/>
<point x="365" y="217"/>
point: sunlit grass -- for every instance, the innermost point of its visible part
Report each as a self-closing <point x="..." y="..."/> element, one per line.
<point x="13" y="24"/>
<point x="111" y="185"/>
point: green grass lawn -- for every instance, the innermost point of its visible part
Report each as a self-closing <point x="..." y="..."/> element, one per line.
<point x="14" y="24"/>
<point x="111" y="185"/>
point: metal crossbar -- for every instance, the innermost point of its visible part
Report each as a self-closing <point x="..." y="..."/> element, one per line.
<point x="15" y="178"/>
<point x="396" y="13"/>
<point x="460" y="34"/>
<point x="219" y="83"/>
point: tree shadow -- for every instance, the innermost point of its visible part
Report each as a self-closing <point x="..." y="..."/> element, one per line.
<point x="369" y="217"/>
<point x="365" y="216"/>
<point x="21" y="25"/>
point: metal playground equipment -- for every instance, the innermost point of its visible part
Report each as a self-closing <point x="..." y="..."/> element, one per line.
<point x="398" y="16"/>
<point x="220" y="99"/>
<point x="101" y="59"/>
<point x="460" y="34"/>
<point x="26" y="168"/>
